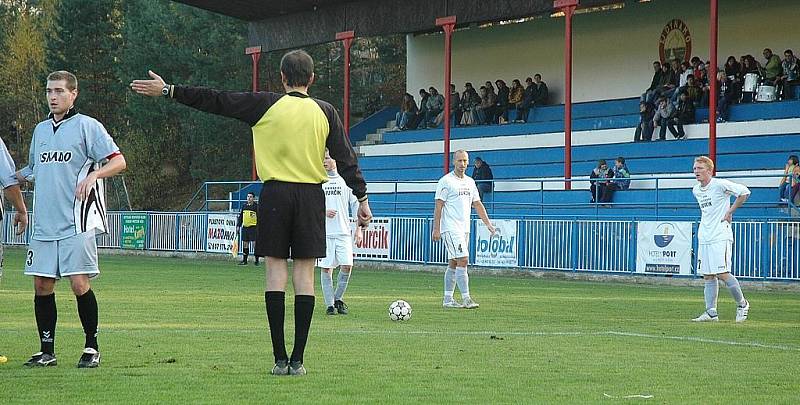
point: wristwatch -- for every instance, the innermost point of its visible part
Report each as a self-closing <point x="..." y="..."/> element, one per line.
<point x="165" y="90"/>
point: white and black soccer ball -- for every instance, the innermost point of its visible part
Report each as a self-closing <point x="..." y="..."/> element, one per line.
<point x="400" y="311"/>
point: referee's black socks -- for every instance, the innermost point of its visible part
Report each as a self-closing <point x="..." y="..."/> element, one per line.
<point x="303" y="311"/>
<point x="87" y="311"/>
<point x="276" y="311"/>
<point x="44" y="307"/>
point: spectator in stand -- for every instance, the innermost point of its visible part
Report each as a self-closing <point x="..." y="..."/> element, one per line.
<point x="597" y="187"/>
<point x="527" y="100"/>
<point x="725" y="96"/>
<point x="693" y="91"/>
<point x="455" y="105"/>
<point x="502" y="101"/>
<point x="684" y="114"/>
<point x="773" y="67"/>
<point x="469" y="102"/>
<point x="790" y="75"/>
<point x="541" y="93"/>
<point x="683" y="81"/>
<point x="748" y="65"/>
<point x="734" y="73"/>
<point x="795" y="186"/>
<point x="644" y="130"/>
<point x="653" y="83"/>
<point x="696" y="62"/>
<point x="785" y="190"/>
<point x="435" y="105"/>
<point x="408" y="113"/>
<point x="664" y="114"/>
<point x="491" y="107"/>
<point x="516" y="94"/>
<point x="423" y="107"/>
<point x="705" y="84"/>
<point x="482" y="174"/>
<point x="622" y="180"/>
<point x="667" y="83"/>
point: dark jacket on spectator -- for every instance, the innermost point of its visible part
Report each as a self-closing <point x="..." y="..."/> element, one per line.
<point x="656" y="79"/>
<point x="540" y="94"/>
<point x="502" y="97"/>
<point x="685" y="113"/>
<point x="482" y="175"/>
<point x="598" y="174"/>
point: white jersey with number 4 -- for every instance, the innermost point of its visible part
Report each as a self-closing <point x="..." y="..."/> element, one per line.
<point x="339" y="197"/>
<point x="458" y="195"/>
<point x="715" y="201"/>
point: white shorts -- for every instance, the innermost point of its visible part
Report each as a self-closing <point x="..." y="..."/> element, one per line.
<point x="457" y="244"/>
<point x="62" y="258"/>
<point x="338" y="252"/>
<point x="714" y="258"/>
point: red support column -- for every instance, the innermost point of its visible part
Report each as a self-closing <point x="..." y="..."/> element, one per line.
<point x="712" y="76"/>
<point x="568" y="8"/>
<point x="347" y="40"/>
<point x="255" y="55"/>
<point x="448" y="24"/>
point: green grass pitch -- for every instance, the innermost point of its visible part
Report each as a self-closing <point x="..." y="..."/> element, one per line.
<point x="194" y="331"/>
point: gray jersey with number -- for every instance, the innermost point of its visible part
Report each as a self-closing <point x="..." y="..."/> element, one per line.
<point x="61" y="156"/>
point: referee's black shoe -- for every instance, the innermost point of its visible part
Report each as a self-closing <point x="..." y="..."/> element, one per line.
<point x="341" y="307"/>
<point x="242" y="263"/>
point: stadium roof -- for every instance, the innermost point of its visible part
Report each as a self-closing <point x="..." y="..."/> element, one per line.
<point x="282" y="24"/>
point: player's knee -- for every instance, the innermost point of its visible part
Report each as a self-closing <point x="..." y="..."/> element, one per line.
<point x="345" y="269"/>
<point x="80" y="285"/>
<point x="324" y="270"/>
<point x="43" y="285"/>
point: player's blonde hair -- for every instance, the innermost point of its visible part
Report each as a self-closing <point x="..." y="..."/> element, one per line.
<point x="460" y="151"/>
<point x="706" y="161"/>
<point x="72" y="81"/>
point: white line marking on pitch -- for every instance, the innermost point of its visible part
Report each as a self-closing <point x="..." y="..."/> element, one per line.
<point x="603" y="333"/>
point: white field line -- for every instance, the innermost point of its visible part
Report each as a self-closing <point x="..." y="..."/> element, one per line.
<point x="782" y="347"/>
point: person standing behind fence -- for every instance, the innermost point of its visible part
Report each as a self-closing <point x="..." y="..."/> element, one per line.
<point x="482" y="174"/>
<point x="715" y="237"/>
<point x="248" y="225"/>
<point x="456" y="195"/>
<point x="290" y="134"/>
<point x="340" y="203"/>
<point x="64" y="164"/>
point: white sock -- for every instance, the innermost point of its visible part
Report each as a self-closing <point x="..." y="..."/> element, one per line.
<point x="462" y="279"/>
<point x="327" y="287"/>
<point x="736" y="290"/>
<point x="449" y="283"/>
<point x="710" y="295"/>
<point x="341" y="284"/>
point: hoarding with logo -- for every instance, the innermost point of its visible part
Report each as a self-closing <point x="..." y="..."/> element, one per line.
<point x="500" y="249"/>
<point x="377" y="240"/>
<point x="664" y="247"/>
<point x="221" y="233"/>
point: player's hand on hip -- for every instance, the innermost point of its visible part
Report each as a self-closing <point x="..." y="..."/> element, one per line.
<point x="728" y="217"/>
<point x="364" y="213"/>
<point x="82" y="191"/>
<point x="150" y="87"/>
<point x="20" y="222"/>
<point x="330" y="213"/>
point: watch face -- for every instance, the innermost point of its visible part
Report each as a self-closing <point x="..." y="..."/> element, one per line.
<point x="165" y="90"/>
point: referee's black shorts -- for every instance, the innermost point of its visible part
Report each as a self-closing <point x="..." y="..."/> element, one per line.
<point x="250" y="233"/>
<point x="291" y="220"/>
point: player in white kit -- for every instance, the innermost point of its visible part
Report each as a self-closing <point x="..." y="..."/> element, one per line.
<point x="715" y="237"/>
<point x="340" y="204"/>
<point x="456" y="195"/>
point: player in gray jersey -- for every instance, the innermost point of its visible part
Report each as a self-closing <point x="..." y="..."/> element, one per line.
<point x="10" y="185"/>
<point x="64" y="165"/>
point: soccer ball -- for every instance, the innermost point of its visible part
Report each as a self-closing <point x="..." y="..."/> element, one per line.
<point x="400" y="311"/>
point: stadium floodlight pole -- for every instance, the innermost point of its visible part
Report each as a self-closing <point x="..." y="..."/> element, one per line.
<point x="568" y="8"/>
<point x="448" y="24"/>
<point x="347" y="40"/>
<point x="712" y="101"/>
<point x="255" y="55"/>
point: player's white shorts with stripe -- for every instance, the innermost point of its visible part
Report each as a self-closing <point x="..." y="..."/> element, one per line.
<point x="61" y="258"/>
<point x="457" y="244"/>
<point x="714" y="258"/>
<point x="338" y="252"/>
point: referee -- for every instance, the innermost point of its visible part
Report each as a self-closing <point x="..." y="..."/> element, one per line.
<point x="290" y="134"/>
<point x="248" y="222"/>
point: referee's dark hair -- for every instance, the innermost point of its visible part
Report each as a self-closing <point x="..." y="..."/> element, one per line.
<point x="298" y="68"/>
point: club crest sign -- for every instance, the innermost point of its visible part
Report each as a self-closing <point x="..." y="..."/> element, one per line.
<point x="675" y="42"/>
